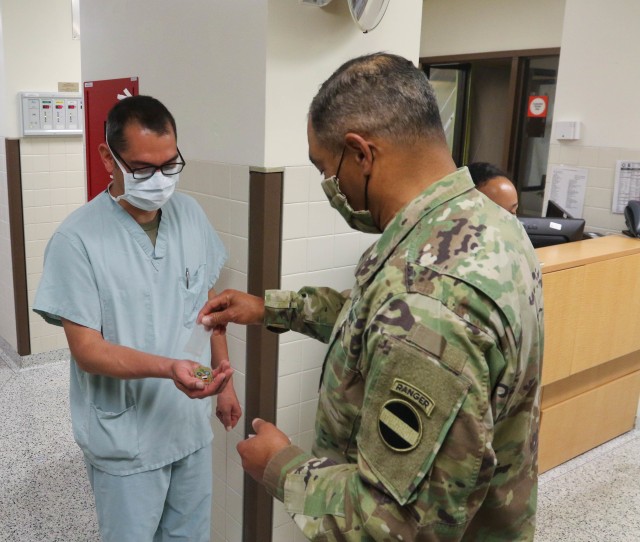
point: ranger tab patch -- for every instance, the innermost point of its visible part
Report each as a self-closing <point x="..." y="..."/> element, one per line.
<point x="399" y="425"/>
<point x="414" y="394"/>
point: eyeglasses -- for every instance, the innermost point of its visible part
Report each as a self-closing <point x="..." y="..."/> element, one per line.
<point x="146" y="172"/>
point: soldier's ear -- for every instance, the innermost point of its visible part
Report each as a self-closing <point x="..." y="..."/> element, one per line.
<point x="362" y="149"/>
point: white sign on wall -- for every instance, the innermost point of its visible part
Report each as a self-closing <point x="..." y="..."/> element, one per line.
<point x="627" y="184"/>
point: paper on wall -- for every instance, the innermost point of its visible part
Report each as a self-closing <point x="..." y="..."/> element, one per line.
<point x="627" y="184"/>
<point x="568" y="188"/>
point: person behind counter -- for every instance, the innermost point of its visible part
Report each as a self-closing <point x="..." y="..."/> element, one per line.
<point x="495" y="184"/>
<point x="428" y="413"/>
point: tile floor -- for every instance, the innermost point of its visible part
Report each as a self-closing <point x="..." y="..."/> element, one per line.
<point x="45" y="497"/>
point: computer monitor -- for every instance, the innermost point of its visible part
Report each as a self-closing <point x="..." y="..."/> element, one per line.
<point x="545" y="231"/>
<point x="554" y="210"/>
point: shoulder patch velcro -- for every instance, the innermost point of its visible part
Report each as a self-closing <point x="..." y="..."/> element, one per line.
<point x="454" y="358"/>
<point x="434" y="343"/>
<point x="427" y="339"/>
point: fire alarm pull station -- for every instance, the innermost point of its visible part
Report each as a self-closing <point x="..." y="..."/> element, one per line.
<point x="51" y="113"/>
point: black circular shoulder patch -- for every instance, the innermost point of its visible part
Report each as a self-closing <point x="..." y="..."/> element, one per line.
<point x="399" y="425"/>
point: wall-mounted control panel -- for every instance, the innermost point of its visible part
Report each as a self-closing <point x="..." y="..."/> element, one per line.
<point x="51" y="113"/>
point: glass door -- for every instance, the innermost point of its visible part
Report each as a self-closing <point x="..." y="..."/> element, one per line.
<point x="534" y="131"/>
<point x="450" y="86"/>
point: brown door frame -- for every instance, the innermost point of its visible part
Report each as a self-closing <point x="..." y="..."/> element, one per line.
<point x="516" y="83"/>
<point x="18" y="252"/>
<point x="265" y="234"/>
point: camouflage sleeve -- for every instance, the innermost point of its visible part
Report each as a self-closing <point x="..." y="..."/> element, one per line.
<point x="424" y="436"/>
<point x="311" y="311"/>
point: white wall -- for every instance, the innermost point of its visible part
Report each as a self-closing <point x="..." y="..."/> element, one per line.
<point x="36" y="53"/>
<point x="7" y="315"/>
<point x="599" y="76"/>
<point x="467" y="26"/>
<point x="53" y="185"/>
<point x="3" y="77"/>
<point x="598" y="79"/>
<point x="38" y="49"/>
<point x="305" y="45"/>
<point x="204" y="59"/>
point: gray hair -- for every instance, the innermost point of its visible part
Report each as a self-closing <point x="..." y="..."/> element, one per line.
<point x="376" y="95"/>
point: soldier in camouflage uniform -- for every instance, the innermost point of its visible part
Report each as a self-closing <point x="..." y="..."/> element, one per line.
<point x="428" y="413"/>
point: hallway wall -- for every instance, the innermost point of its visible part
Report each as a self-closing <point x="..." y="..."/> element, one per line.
<point x="305" y="44"/>
<point x="205" y="61"/>
<point x="454" y="27"/>
<point x="597" y="82"/>
<point x="35" y="60"/>
<point x="53" y="185"/>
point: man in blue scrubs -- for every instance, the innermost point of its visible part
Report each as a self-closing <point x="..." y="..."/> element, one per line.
<point x="125" y="276"/>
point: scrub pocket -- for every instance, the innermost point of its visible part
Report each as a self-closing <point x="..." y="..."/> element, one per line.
<point x="114" y="435"/>
<point x="192" y="293"/>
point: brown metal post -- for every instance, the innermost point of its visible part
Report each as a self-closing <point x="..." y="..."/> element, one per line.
<point x="18" y="255"/>
<point x="265" y="226"/>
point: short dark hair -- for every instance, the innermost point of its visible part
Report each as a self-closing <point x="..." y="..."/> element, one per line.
<point x="481" y="172"/>
<point x="144" y="110"/>
<point x="376" y="95"/>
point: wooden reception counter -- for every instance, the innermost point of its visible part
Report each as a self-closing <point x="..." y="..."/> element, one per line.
<point x="591" y="367"/>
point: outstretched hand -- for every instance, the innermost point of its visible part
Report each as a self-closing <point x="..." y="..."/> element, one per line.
<point x="231" y="306"/>
<point x="185" y="380"/>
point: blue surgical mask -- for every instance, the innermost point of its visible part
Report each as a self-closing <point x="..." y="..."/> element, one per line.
<point x="148" y="194"/>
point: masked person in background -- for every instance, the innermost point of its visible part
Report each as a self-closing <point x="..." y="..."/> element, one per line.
<point x="125" y="275"/>
<point x="494" y="184"/>
<point x="428" y="414"/>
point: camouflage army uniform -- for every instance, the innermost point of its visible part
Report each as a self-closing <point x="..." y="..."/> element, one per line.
<point x="429" y="407"/>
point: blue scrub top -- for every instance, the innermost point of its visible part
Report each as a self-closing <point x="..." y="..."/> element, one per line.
<point x="102" y="271"/>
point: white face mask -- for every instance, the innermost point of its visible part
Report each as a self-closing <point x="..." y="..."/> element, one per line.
<point x="148" y="194"/>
